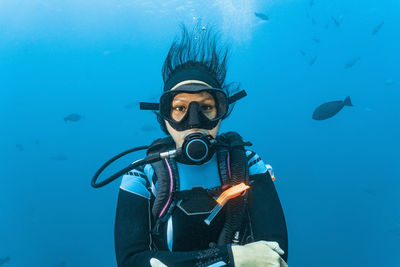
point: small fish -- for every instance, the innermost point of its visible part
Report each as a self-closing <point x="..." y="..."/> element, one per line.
<point x="330" y="109"/>
<point x="369" y="191"/>
<point x="148" y="128"/>
<point x="62" y="264"/>
<point x="337" y="21"/>
<point x="302" y="52"/>
<point x="313" y="21"/>
<point x="377" y="28"/>
<point x="261" y="16"/>
<point x="316" y="40"/>
<point x="312" y="61"/>
<point x="311" y="3"/>
<point x="19" y="147"/>
<point x="352" y="62"/>
<point x="60" y="157"/>
<point x="37" y="141"/>
<point x="327" y="24"/>
<point x="73" y="117"/>
<point x="5" y="260"/>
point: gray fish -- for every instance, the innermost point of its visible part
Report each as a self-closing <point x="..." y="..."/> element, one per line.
<point x="352" y="62"/>
<point x="312" y="61"/>
<point x="73" y="117"/>
<point x="337" y="21"/>
<point x="316" y="40"/>
<point x="19" y="147"/>
<point x="5" y="260"/>
<point x="261" y="16"/>
<point x="377" y="28"/>
<point x="330" y="109"/>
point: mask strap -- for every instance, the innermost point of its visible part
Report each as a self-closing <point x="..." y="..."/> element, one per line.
<point x="235" y="97"/>
<point x="149" y="106"/>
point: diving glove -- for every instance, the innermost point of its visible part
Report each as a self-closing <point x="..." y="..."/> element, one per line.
<point x="258" y="254"/>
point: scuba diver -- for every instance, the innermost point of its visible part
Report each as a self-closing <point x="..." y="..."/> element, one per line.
<point x="199" y="198"/>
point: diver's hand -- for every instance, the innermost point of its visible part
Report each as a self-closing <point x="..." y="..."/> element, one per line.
<point x="258" y="254"/>
<point x="156" y="263"/>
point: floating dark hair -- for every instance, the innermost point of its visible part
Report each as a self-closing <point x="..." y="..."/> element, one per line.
<point x="199" y="47"/>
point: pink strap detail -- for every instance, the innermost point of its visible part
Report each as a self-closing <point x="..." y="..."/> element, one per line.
<point x="170" y="188"/>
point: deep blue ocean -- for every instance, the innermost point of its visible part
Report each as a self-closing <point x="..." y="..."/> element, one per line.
<point x="338" y="179"/>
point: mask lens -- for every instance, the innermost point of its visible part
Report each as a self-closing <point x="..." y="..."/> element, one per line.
<point x="175" y="104"/>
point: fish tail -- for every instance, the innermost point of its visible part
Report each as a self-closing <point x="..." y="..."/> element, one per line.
<point x="347" y="102"/>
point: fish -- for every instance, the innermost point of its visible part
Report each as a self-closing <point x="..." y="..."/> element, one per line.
<point x="73" y="117"/>
<point x="377" y="28"/>
<point x="312" y="61"/>
<point x="352" y="62"/>
<point x="5" y="260"/>
<point x="19" y="147"/>
<point x="313" y="21"/>
<point x="261" y="16"/>
<point x="337" y="21"/>
<point x="316" y="40"/>
<point x="311" y="3"/>
<point x="302" y="52"/>
<point x="330" y="109"/>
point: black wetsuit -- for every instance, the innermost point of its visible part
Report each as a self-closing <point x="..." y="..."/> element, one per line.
<point x="186" y="242"/>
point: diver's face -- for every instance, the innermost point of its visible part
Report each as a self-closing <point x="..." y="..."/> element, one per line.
<point x="180" y="105"/>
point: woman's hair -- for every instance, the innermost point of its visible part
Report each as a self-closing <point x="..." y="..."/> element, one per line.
<point x="198" y="47"/>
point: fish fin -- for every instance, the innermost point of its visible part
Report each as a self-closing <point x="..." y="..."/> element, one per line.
<point x="347" y="102"/>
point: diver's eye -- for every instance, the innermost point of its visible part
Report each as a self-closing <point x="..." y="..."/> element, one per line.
<point x="206" y="107"/>
<point x="179" y="108"/>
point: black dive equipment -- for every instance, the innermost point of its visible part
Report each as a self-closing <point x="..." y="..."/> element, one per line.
<point x="196" y="149"/>
<point x="196" y="115"/>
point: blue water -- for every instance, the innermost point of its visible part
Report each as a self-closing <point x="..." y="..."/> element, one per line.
<point x="338" y="179"/>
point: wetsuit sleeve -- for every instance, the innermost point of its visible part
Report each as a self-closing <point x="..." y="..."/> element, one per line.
<point x="133" y="226"/>
<point x="265" y="210"/>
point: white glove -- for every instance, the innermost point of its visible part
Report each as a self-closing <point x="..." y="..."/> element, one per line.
<point x="258" y="254"/>
<point x="156" y="263"/>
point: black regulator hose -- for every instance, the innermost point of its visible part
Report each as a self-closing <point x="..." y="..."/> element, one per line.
<point x="148" y="159"/>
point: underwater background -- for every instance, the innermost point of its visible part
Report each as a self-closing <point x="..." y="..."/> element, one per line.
<point x="338" y="179"/>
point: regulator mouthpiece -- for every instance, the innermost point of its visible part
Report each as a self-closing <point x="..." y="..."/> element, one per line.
<point x="197" y="148"/>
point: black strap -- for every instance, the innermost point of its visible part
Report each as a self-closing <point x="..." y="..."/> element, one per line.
<point x="149" y="106"/>
<point x="235" y="97"/>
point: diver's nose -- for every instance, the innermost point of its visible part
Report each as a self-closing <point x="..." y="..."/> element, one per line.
<point x="194" y="116"/>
